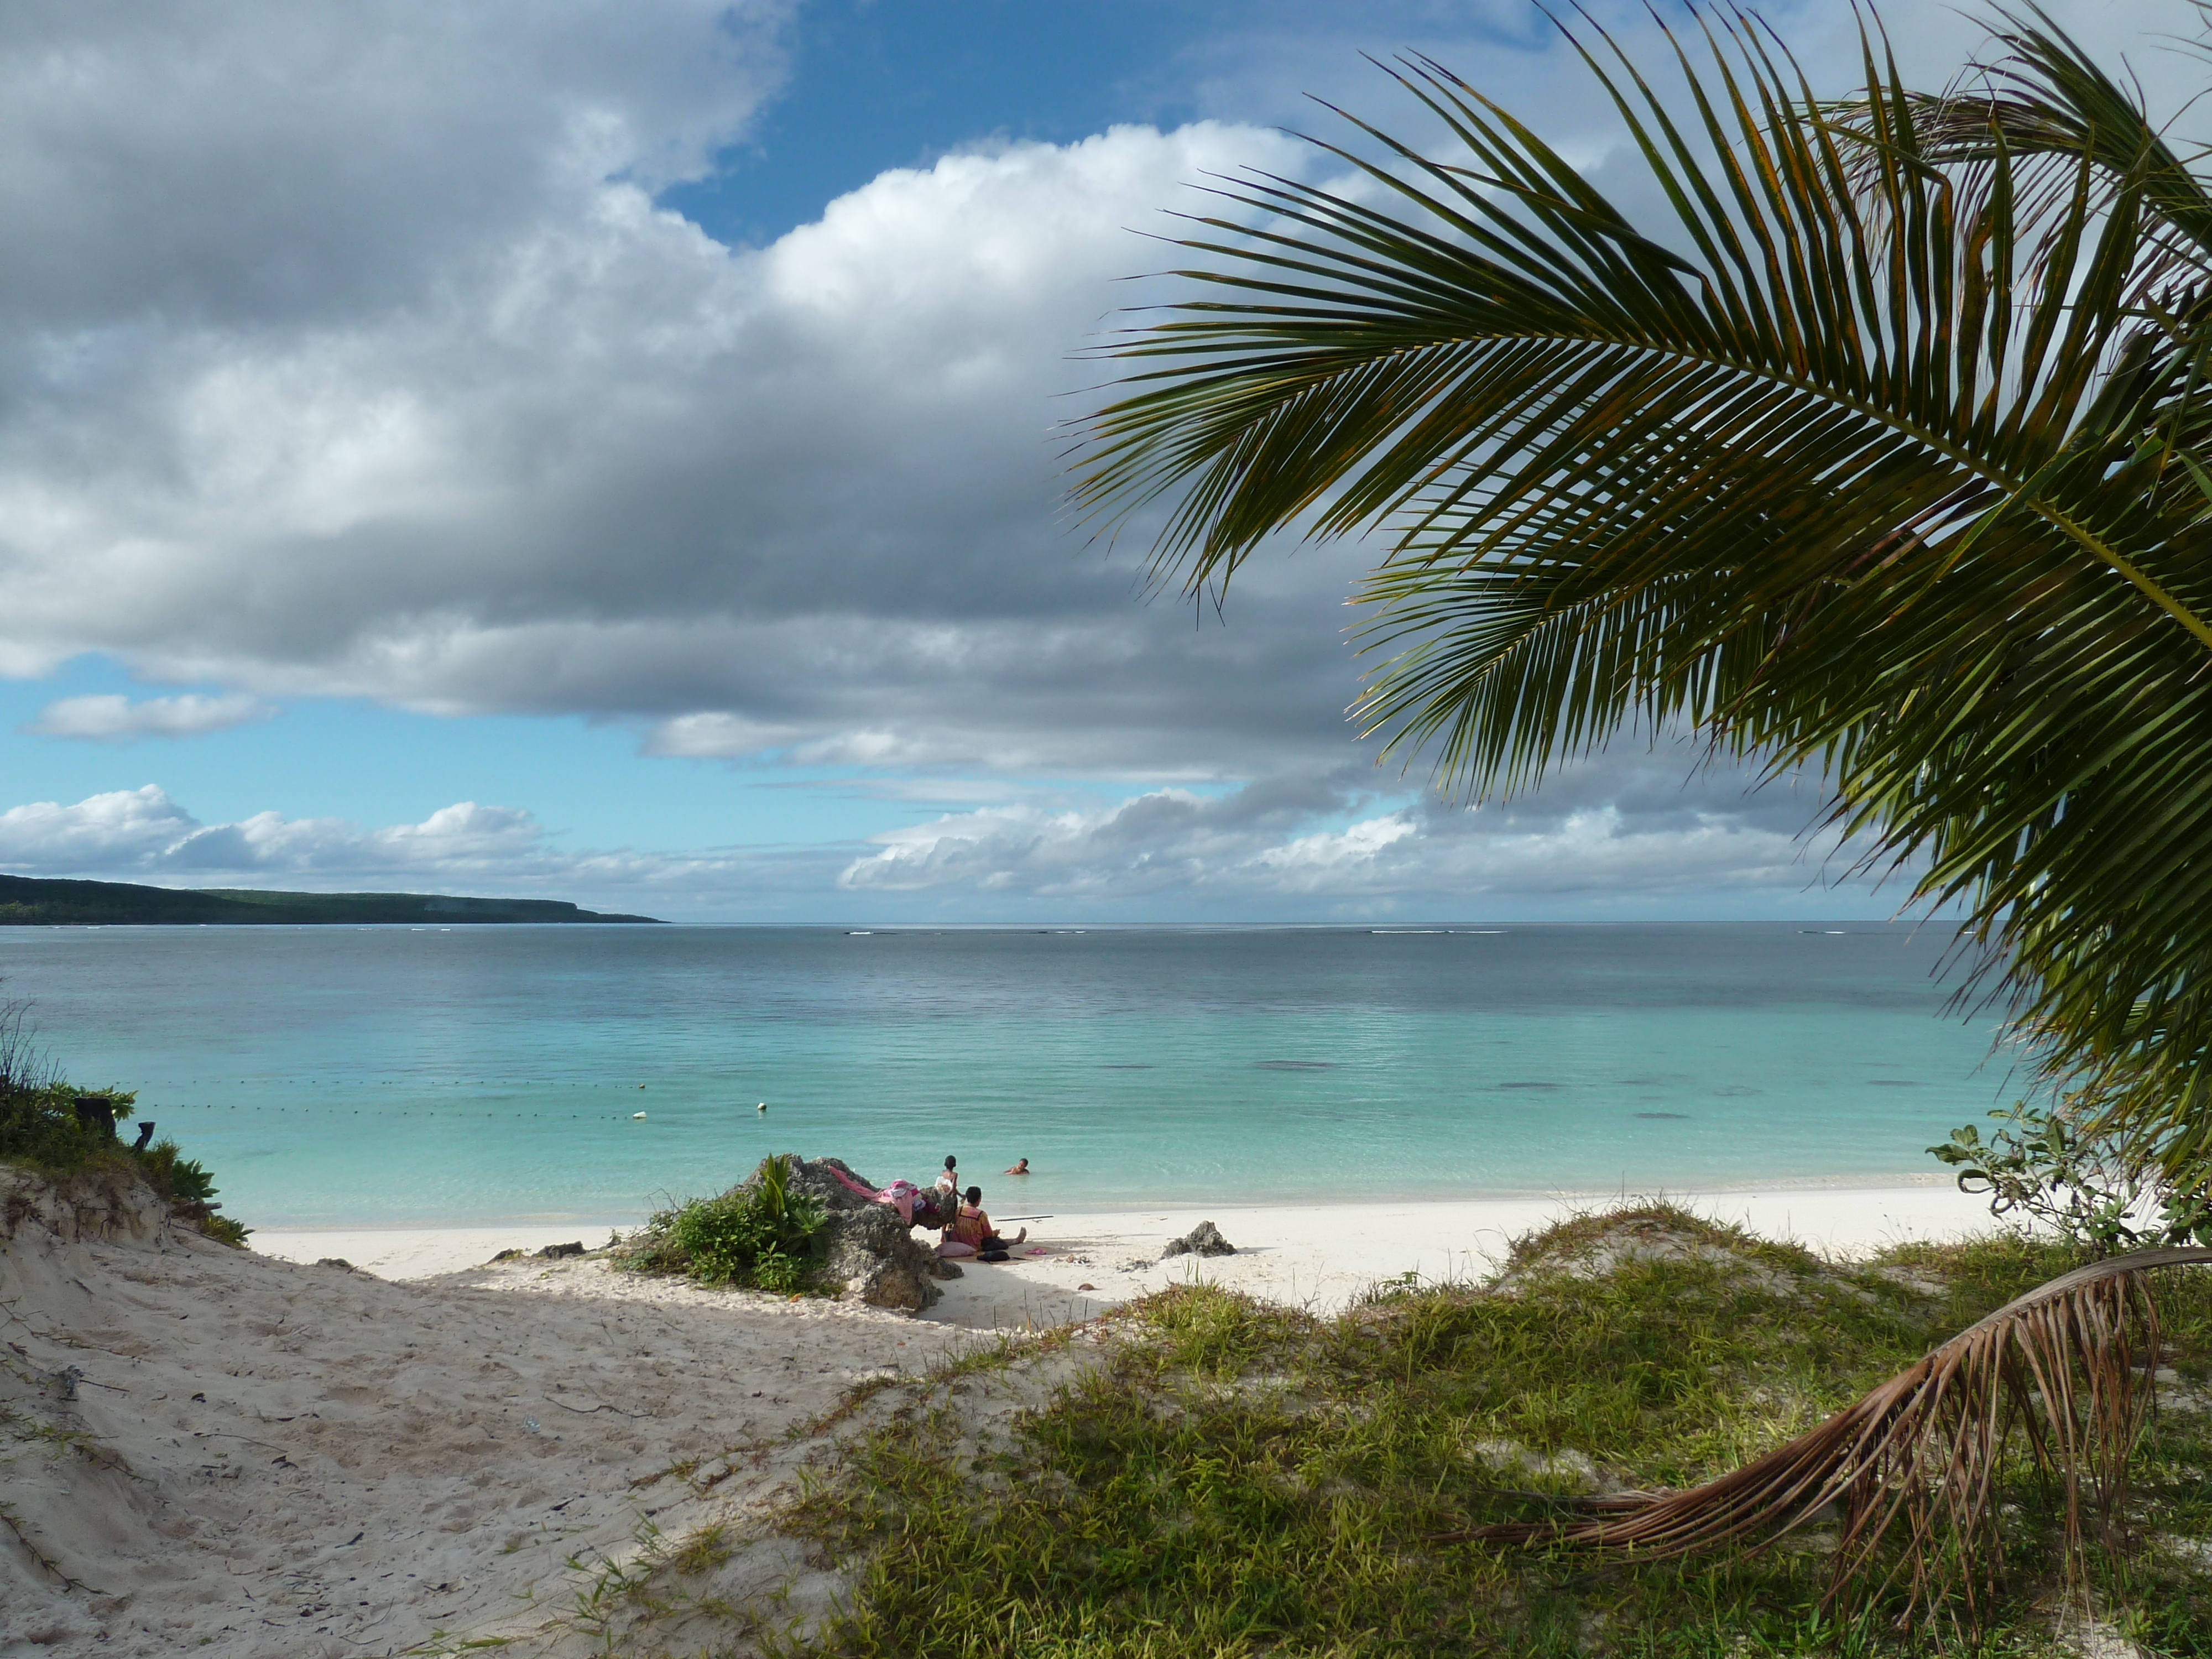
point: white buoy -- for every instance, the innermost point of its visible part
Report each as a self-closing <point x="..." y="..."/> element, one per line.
<point x="637" y="1115"/>
<point x="762" y="1107"/>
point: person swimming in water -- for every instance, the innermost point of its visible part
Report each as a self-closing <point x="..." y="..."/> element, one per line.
<point x="1022" y="1168"/>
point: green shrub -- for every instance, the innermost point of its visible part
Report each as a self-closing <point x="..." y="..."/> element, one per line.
<point x="183" y="1179"/>
<point x="760" y="1234"/>
<point x="2054" y="1169"/>
<point x="224" y="1230"/>
<point x="189" y="1186"/>
<point x="38" y="1126"/>
<point x="39" y="1129"/>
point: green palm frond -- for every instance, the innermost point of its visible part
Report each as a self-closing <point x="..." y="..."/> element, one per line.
<point x="1889" y="454"/>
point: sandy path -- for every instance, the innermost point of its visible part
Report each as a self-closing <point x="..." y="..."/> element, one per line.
<point x="266" y="1459"/>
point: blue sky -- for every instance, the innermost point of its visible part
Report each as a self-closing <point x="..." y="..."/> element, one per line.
<point x="609" y="453"/>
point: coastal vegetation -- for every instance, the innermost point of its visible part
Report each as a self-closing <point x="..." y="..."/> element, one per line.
<point x="33" y="901"/>
<point x="52" y="1128"/>
<point x="1882" y="450"/>
<point x="1235" y="1477"/>
<point x="794" y="1225"/>
<point x="2042" y="1169"/>
<point x="761" y="1235"/>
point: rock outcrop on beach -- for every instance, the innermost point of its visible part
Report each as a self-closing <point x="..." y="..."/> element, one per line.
<point x="1204" y="1239"/>
<point x="874" y="1256"/>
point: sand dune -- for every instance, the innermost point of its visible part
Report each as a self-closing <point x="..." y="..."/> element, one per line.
<point x="256" y="1457"/>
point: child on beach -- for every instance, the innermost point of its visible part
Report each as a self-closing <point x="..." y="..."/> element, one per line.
<point x="948" y="1179"/>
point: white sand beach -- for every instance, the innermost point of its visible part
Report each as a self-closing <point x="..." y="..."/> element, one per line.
<point x="1316" y="1256"/>
<point x="244" y="1453"/>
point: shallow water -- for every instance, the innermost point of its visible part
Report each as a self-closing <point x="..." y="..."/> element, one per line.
<point x="417" y="1076"/>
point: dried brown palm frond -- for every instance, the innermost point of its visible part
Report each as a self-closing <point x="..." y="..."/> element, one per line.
<point x="2069" y="1364"/>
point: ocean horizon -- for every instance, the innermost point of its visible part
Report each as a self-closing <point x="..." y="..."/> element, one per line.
<point x="484" y="1074"/>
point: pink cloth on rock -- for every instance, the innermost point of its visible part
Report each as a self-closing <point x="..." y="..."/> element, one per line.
<point x="899" y="1194"/>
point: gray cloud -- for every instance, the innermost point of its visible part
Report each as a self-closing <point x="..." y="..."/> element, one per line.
<point x="255" y="164"/>
<point x="803" y="496"/>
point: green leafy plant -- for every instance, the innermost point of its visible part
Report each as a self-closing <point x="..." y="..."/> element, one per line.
<point x="40" y="1126"/>
<point x="224" y="1230"/>
<point x="176" y="1177"/>
<point x="189" y="1186"/>
<point x="760" y="1234"/>
<point x="41" y="1129"/>
<point x="2043" y="1167"/>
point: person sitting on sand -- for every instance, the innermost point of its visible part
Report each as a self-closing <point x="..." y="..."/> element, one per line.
<point x="948" y="1178"/>
<point x="1022" y="1168"/>
<point x="972" y="1227"/>
<point x="959" y="1237"/>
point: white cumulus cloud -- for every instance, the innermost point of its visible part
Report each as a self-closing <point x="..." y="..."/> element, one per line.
<point x="142" y="835"/>
<point x="1290" y="848"/>
<point x="801" y="497"/>
<point x="144" y="832"/>
<point x="117" y="719"/>
<point x="1321" y="849"/>
<point x="122" y="829"/>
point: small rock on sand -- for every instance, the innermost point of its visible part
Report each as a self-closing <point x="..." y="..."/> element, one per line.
<point x="1204" y="1239"/>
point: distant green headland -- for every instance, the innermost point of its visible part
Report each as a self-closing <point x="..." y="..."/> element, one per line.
<point x="29" y="902"/>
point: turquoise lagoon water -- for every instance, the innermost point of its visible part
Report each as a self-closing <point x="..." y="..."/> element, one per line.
<point x="419" y="1076"/>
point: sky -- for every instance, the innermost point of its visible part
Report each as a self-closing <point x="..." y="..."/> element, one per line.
<point x="616" y="452"/>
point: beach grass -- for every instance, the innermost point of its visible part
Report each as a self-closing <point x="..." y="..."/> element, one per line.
<point x="1239" y="1478"/>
